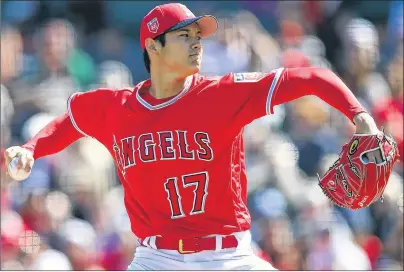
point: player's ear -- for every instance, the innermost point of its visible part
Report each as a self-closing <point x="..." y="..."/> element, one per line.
<point x="152" y="46"/>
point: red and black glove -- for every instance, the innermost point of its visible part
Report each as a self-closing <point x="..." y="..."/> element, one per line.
<point x="354" y="182"/>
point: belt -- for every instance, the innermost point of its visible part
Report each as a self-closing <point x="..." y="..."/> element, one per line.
<point x="193" y="245"/>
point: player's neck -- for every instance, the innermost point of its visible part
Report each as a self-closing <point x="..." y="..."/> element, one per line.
<point x="165" y="85"/>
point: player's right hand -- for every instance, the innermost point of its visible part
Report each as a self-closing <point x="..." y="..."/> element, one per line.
<point x="25" y="159"/>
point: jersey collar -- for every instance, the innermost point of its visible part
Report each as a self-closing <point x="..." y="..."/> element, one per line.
<point x="187" y="85"/>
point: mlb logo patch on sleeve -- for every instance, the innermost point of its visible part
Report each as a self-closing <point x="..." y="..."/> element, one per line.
<point x="248" y="77"/>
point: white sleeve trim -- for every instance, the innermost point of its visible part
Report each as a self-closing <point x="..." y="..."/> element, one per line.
<point x="69" y="109"/>
<point x="272" y="89"/>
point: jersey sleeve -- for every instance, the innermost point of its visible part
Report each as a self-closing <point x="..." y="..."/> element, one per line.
<point x="248" y="96"/>
<point x="88" y="111"/>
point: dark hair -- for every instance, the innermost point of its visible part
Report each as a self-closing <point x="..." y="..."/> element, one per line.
<point x="162" y="39"/>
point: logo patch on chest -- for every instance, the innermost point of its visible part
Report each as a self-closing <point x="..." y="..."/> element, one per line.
<point x="248" y="77"/>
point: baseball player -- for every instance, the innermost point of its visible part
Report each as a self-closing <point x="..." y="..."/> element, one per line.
<point x="177" y="141"/>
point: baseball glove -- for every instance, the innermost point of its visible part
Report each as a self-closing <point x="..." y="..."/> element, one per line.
<point x="353" y="182"/>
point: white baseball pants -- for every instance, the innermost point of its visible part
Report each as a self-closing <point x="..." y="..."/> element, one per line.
<point x="241" y="258"/>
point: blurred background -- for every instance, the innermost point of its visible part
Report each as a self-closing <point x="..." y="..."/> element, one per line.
<point x="69" y="214"/>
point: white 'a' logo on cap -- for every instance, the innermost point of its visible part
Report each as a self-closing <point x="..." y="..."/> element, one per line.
<point x="153" y="25"/>
<point x="186" y="10"/>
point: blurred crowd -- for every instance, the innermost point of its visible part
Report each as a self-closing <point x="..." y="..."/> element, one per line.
<point x="69" y="214"/>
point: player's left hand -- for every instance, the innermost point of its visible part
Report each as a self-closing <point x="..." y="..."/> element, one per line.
<point x="365" y="124"/>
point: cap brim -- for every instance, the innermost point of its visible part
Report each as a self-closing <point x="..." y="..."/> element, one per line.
<point x="207" y="23"/>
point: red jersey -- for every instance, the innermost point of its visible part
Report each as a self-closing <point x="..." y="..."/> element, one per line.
<point x="181" y="162"/>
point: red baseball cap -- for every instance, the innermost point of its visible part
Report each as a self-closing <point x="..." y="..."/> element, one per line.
<point x="173" y="16"/>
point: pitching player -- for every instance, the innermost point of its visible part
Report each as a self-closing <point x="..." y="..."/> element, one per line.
<point x="177" y="141"/>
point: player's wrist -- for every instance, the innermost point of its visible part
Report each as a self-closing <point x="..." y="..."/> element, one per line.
<point x="365" y="124"/>
<point x="27" y="149"/>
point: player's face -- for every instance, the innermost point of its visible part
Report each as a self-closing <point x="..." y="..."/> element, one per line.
<point x="183" y="50"/>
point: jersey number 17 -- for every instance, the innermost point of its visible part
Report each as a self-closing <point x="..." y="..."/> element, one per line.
<point x="200" y="183"/>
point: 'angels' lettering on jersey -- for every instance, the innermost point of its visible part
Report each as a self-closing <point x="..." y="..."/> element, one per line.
<point x="160" y="146"/>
